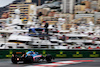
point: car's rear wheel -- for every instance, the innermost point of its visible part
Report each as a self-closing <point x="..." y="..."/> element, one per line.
<point x="14" y="60"/>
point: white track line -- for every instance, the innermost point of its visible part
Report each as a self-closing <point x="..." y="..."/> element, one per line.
<point x="55" y="64"/>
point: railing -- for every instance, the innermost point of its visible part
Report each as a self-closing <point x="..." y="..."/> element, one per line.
<point x="79" y="40"/>
<point x="56" y="53"/>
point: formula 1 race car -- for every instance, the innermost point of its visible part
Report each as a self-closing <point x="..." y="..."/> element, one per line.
<point x="30" y="57"/>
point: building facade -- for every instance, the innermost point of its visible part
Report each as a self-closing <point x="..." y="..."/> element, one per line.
<point x="84" y="18"/>
<point x="68" y="6"/>
<point x="87" y="4"/>
<point x="78" y="2"/>
<point x="79" y="9"/>
<point x="97" y="17"/>
<point x="94" y="5"/>
<point x="99" y="5"/>
<point x="25" y="10"/>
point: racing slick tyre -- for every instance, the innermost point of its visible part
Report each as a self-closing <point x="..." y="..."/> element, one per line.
<point x="14" y="60"/>
<point x="48" y="58"/>
<point x="28" y="59"/>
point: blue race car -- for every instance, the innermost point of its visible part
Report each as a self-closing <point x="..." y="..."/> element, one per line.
<point x="30" y="57"/>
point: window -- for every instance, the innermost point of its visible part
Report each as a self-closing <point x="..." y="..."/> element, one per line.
<point x="2" y="45"/>
<point x="10" y="46"/>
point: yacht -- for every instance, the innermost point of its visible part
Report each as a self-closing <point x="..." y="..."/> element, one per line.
<point x="77" y="38"/>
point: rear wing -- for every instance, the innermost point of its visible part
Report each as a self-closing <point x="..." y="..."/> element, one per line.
<point x="19" y="53"/>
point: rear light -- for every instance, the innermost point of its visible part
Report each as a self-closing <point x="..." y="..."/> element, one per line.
<point x="17" y="59"/>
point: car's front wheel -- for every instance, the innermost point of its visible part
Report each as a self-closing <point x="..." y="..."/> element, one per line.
<point x="48" y="58"/>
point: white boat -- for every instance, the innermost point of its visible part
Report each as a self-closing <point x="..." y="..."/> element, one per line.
<point x="13" y="46"/>
<point x="77" y="38"/>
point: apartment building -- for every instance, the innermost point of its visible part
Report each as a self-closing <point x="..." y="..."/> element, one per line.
<point x="25" y="10"/>
<point x="99" y="5"/>
<point x="68" y="6"/>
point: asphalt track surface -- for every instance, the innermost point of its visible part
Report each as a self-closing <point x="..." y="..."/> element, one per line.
<point x="61" y="62"/>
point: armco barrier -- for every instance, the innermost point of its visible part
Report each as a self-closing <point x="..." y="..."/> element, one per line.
<point x="7" y="53"/>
